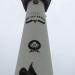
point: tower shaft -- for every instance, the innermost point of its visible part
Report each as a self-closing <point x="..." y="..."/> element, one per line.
<point x="34" y="55"/>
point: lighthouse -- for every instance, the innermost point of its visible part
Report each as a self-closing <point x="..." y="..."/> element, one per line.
<point x="34" y="56"/>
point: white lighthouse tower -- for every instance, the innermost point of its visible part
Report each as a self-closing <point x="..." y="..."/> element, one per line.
<point x="34" y="55"/>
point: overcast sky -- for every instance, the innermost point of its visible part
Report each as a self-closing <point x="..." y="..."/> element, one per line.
<point x="61" y="30"/>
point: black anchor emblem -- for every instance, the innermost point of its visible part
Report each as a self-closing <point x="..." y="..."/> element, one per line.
<point x="34" y="46"/>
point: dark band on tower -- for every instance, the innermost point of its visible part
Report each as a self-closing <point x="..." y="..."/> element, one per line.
<point x="46" y="3"/>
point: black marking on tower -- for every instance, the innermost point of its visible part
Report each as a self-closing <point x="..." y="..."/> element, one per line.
<point x="31" y="71"/>
<point x="34" y="46"/>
